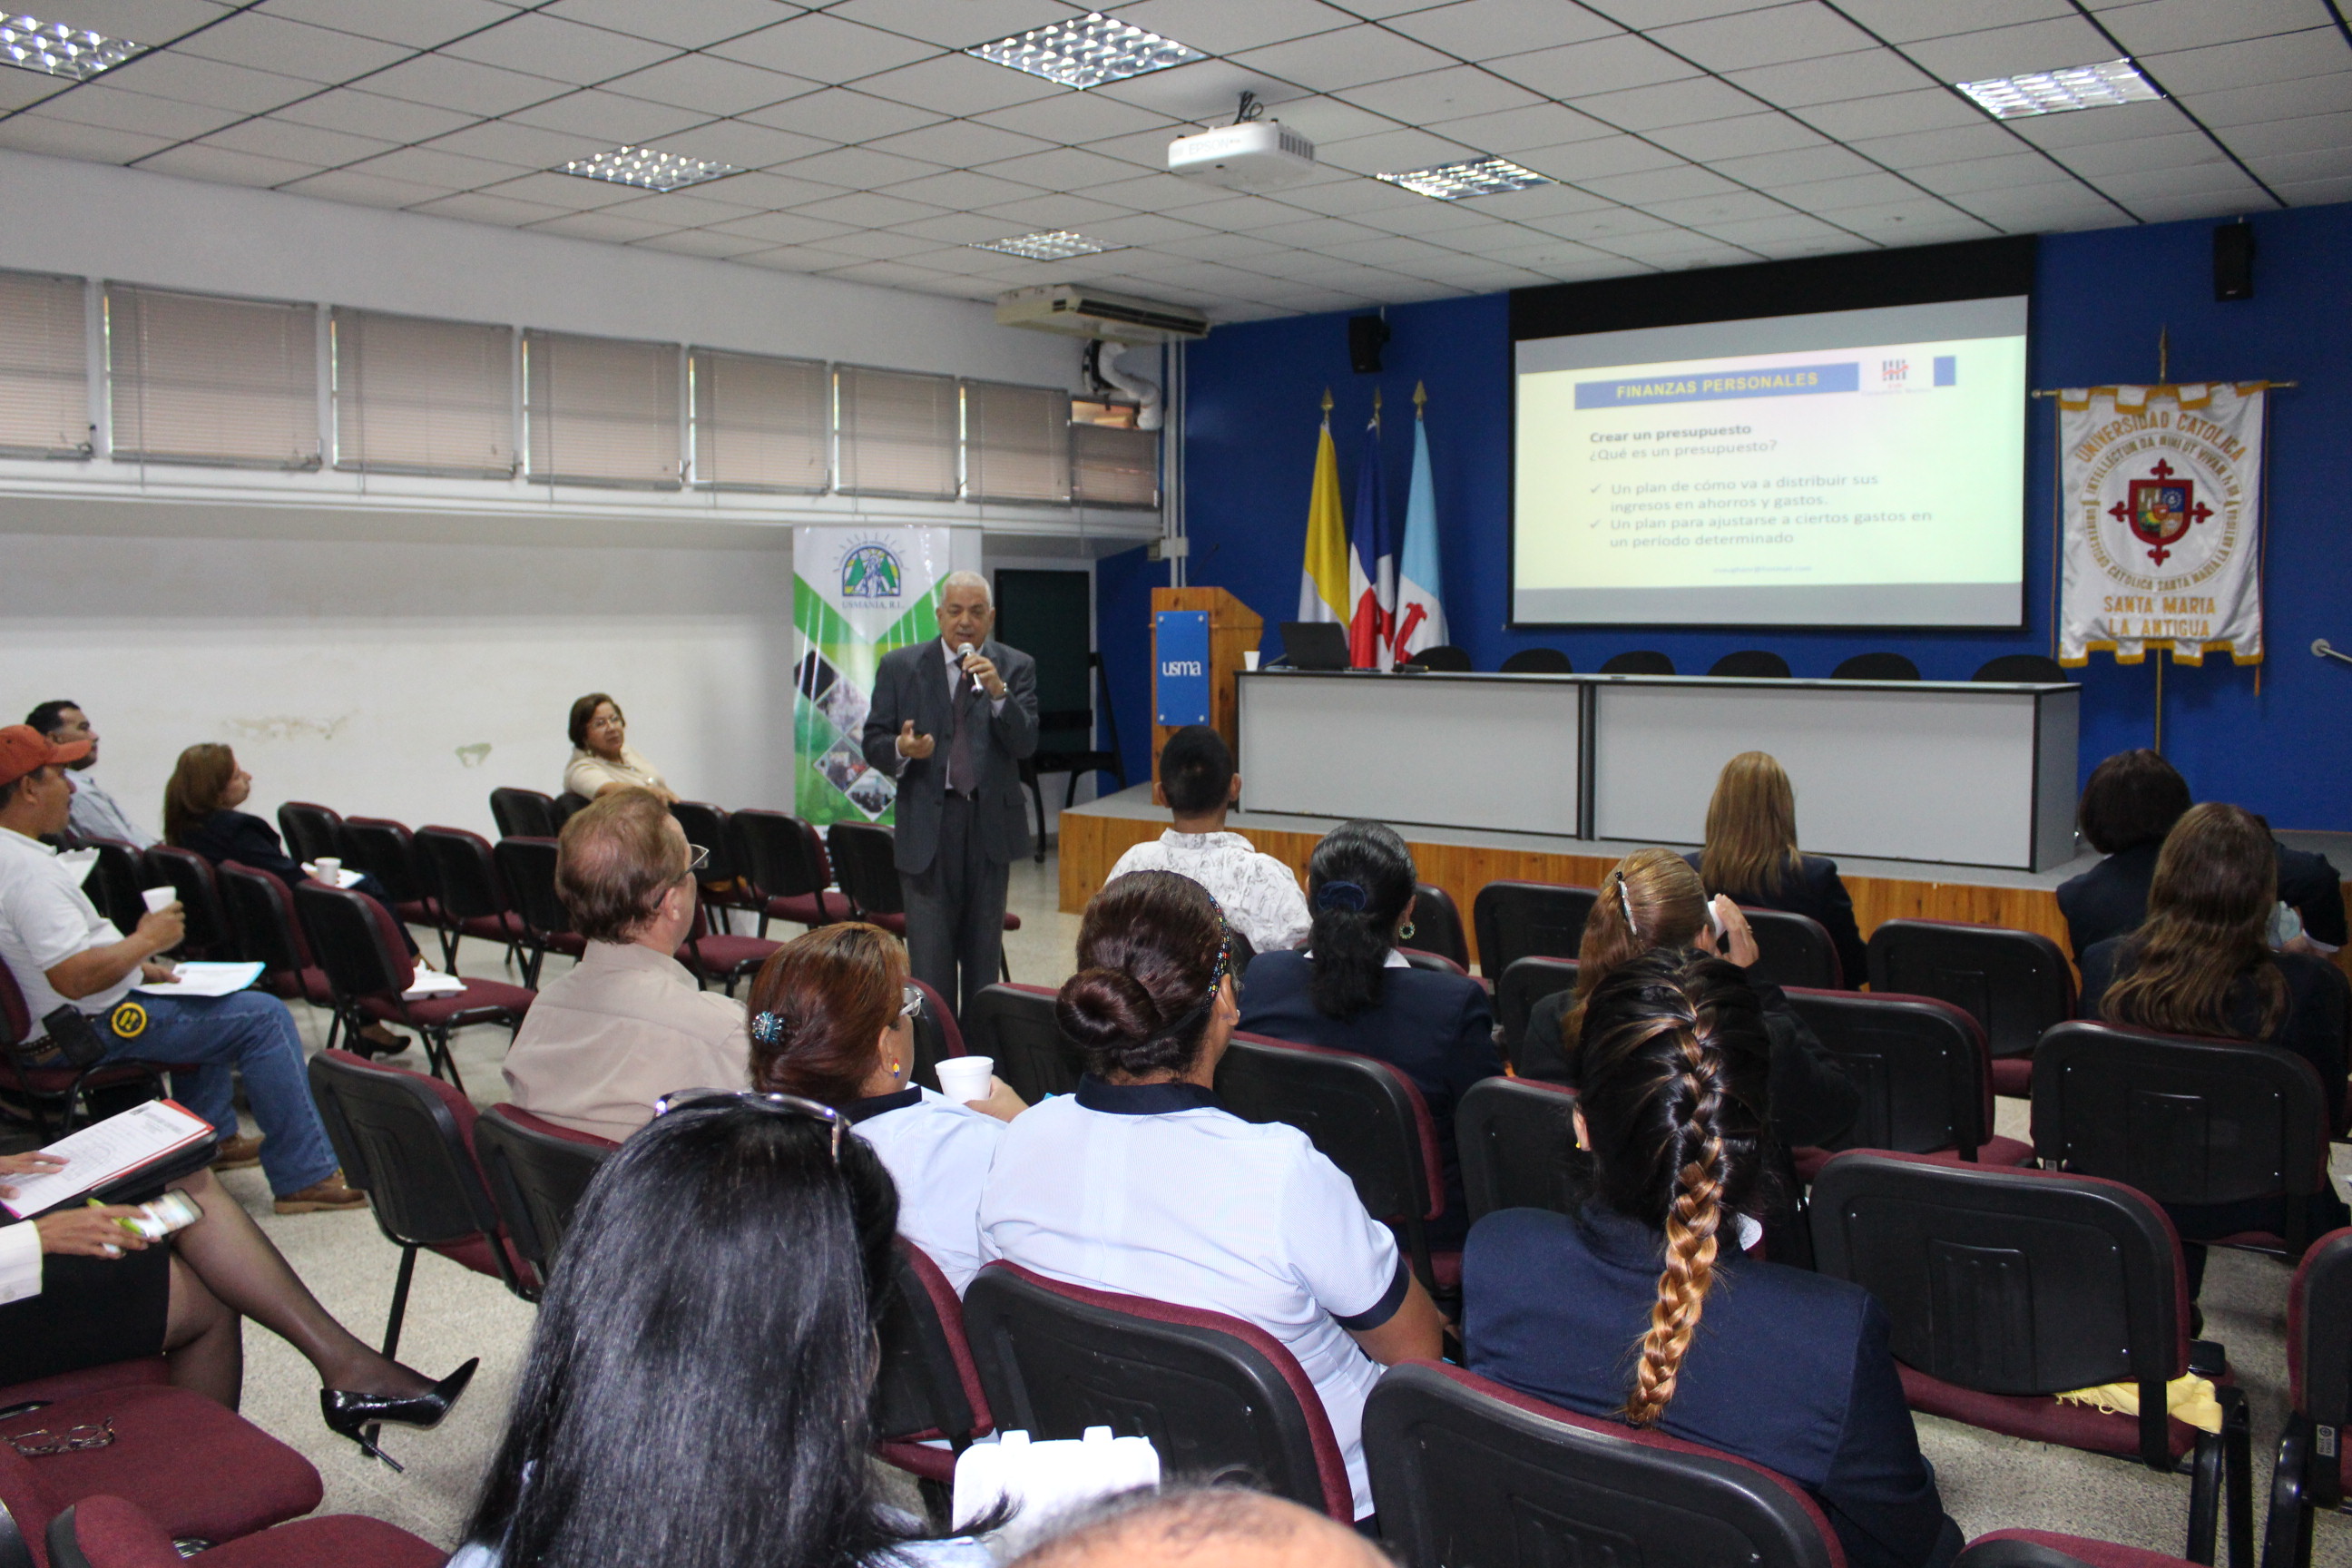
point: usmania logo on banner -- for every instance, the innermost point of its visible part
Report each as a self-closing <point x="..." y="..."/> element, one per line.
<point x="2162" y="490"/>
<point x="857" y="594"/>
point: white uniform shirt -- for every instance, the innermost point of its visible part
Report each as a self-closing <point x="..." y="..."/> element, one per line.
<point x="939" y="1154"/>
<point x="45" y="919"/>
<point x="1152" y="1190"/>
<point x="1258" y="893"/>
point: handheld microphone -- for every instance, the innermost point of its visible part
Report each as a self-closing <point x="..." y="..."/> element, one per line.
<point x="963" y="653"/>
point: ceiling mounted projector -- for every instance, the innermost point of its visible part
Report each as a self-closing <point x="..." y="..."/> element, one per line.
<point x="1083" y="312"/>
<point x="1254" y="156"/>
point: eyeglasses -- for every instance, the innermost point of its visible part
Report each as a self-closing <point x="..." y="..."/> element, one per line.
<point x="701" y="858"/>
<point x="41" y="1442"/>
<point x="910" y="1001"/>
<point x="776" y="1104"/>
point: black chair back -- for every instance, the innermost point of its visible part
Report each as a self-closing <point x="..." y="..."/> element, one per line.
<point x="925" y="1384"/>
<point x="1466" y="1471"/>
<point x="528" y="868"/>
<point x="310" y="829"/>
<point x="523" y="814"/>
<point x="408" y="1140"/>
<point x="2310" y="1470"/>
<point x="1516" y="1141"/>
<point x="865" y="857"/>
<point x="706" y="828"/>
<point x="1875" y="666"/>
<point x="350" y="945"/>
<point x="260" y="921"/>
<point x="2014" y="984"/>
<point x="937" y="1036"/>
<point x="567" y="804"/>
<point x="1525" y="983"/>
<point x="1638" y="661"/>
<point x="2026" y="668"/>
<point x="1793" y="950"/>
<point x="113" y="883"/>
<point x="2186" y="1121"/>
<point x="1518" y="919"/>
<point x="1539" y="661"/>
<point x="781" y="854"/>
<point x="190" y="875"/>
<point x="1442" y="656"/>
<point x="1212" y="1392"/>
<point x="1918" y="1063"/>
<point x="386" y="850"/>
<point x="465" y="876"/>
<point x="1437" y="925"/>
<point x="1751" y="663"/>
<point x="1014" y="1024"/>
<point x="536" y="1173"/>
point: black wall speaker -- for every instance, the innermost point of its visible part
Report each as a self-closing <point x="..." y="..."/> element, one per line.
<point x="2233" y="261"/>
<point x="1366" y="336"/>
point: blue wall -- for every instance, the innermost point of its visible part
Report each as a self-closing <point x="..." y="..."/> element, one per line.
<point x="2100" y="299"/>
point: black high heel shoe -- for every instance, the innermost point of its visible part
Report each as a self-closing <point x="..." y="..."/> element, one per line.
<point x="357" y="1416"/>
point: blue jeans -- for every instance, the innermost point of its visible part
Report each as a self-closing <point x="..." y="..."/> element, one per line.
<point x="255" y="1035"/>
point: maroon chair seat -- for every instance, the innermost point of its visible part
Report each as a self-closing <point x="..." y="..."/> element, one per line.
<point x="360" y="947"/>
<point x="59" y="1088"/>
<point x="723" y="956"/>
<point x="929" y="1390"/>
<point x="142" y="1372"/>
<point x="804" y="909"/>
<point x="783" y="861"/>
<point x="2043" y="1419"/>
<point x="106" y="1532"/>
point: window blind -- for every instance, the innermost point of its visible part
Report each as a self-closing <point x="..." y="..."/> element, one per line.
<point x="420" y="396"/>
<point x="1110" y="466"/>
<point x="197" y="378"/>
<point x="1016" y="443"/>
<point x="44" y="367"/>
<point x="759" y="423"/>
<point x="599" y="411"/>
<point x="899" y="433"/>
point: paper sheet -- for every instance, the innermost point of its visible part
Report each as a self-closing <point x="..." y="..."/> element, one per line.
<point x="99" y="1153"/>
<point x="80" y="862"/>
<point x="433" y="982"/>
<point x="203" y="979"/>
<point x="344" y="878"/>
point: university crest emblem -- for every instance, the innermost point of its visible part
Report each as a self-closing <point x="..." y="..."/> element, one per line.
<point x="870" y="572"/>
<point x="2159" y="509"/>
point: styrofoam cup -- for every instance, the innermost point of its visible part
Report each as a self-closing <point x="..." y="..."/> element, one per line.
<point x="965" y="1078"/>
<point x="1249" y="660"/>
<point x="331" y="870"/>
<point x="158" y="900"/>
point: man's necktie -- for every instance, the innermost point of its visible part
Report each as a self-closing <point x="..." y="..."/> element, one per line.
<point x="960" y="763"/>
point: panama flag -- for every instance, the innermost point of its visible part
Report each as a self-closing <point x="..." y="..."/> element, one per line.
<point x="1323" y="580"/>
<point x="1420" y="597"/>
<point x="1371" y="561"/>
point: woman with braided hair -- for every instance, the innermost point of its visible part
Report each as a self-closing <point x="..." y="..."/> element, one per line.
<point x="1789" y="1369"/>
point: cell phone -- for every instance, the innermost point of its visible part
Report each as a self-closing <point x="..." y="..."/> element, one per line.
<point x="155" y="1221"/>
<point x="2286" y="923"/>
<point x="1715" y="919"/>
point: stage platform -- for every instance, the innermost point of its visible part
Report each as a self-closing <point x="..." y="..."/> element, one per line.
<point x="1094" y="834"/>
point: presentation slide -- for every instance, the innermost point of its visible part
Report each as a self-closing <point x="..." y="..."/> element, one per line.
<point x="1852" y="468"/>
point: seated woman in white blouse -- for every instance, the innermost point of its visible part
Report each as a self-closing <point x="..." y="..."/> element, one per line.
<point x="833" y="1020"/>
<point x="1143" y="1184"/>
<point x="602" y="758"/>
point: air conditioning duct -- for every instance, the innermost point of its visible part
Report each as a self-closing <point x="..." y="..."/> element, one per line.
<point x="1086" y="312"/>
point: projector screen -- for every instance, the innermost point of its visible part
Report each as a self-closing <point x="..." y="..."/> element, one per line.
<point x="1848" y="468"/>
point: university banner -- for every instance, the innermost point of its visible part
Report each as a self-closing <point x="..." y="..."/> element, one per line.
<point x="2162" y="491"/>
<point x="858" y="592"/>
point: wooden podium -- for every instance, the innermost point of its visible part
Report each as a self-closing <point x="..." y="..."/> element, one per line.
<point x="1235" y="629"/>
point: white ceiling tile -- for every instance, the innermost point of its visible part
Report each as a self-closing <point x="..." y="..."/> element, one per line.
<point x="476" y="206"/>
<point x="1050" y="212"/>
<point x="1394" y="151"/>
<point x="1780" y="229"/>
<point x="1062" y="169"/>
<point x="1457" y="93"/>
<point x="273" y="138"/>
<point x="1773" y="35"/>
<point x="884" y="274"/>
<point x="2118" y="123"/>
<point x="37" y="132"/>
<point x="20" y="89"/>
<point x="2298" y="168"/>
<point x="1903" y="222"/>
<point x="509" y="141"/>
<point x="782" y="228"/>
<point x="2257" y="62"/>
<point x="1204" y="92"/>
<point x="960" y="144"/>
<point x="839" y="115"/>
<point x="602" y="119"/>
<point x="1217" y="248"/>
<point x="119" y="108"/>
<point x="958" y="84"/>
<point x="1229" y="27"/>
<point x="1680" y="250"/>
<point x="2022" y="209"/>
<point x="863" y="209"/>
<point x="1892" y="113"/>
<point x="1350" y="57"/>
<point x="1599" y="227"/>
<point x="2197" y="179"/>
<point x="961" y="191"/>
<point x="2276" y="100"/>
<point x="856" y="169"/>
<point x="1158" y="192"/>
<point x="1947" y="144"/>
<point x="600" y="225"/>
<point x="1660" y="184"/>
<point x="687" y="24"/>
<point x="1142" y="149"/>
<point x="366" y="190"/>
<point x="826" y="49"/>
<point x="216" y="85"/>
<point x="2007" y="51"/>
<point x="1833" y="76"/>
<point x="445" y="171"/>
<point x="1524" y="207"/>
<point x="1794" y="167"/>
<point x="1142" y="229"/>
<point x="224" y="166"/>
<point x="1323" y="120"/>
<point x="774" y="192"/>
<point x="1648" y="14"/>
<point x="709" y="85"/>
<point x="874" y="245"/>
<point x="1357" y="199"/>
<point x="1488" y="29"/>
<point x="2317" y="193"/>
<point x="1741" y="135"/>
<point x="959" y="25"/>
<point x="1711" y="213"/>
<point x="420" y="23"/>
<point x="1669" y="103"/>
<point x="1399" y="252"/>
<point x="448" y="82"/>
<point x="2171" y="208"/>
<point x="1070" y="119"/>
<point x="296" y="48"/>
<point x="2310" y="133"/>
<point x="702" y="242"/>
<point x="567" y="51"/>
<point x="1580" y="162"/>
<point x="373" y="115"/>
<point x="1997" y="174"/>
<point x="2153" y="27"/>
<point x="2140" y="152"/>
<point x="699" y="207"/>
<point x="1242" y="215"/>
<point x="1868" y="190"/>
<point x="1604" y="65"/>
<point x="1507" y="134"/>
<point x="567" y="193"/>
<point x="148" y="21"/>
<point x="741" y="144"/>
<point x="788" y="258"/>
<point x="1903" y="21"/>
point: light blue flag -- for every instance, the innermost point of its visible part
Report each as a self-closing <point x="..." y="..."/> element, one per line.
<point x="1420" y="593"/>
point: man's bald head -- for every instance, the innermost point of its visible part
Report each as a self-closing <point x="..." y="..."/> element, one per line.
<point x="616" y="858"/>
<point x="1198" y="1527"/>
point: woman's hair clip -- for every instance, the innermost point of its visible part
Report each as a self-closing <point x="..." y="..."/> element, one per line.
<point x="767" y="1028"/>
<point x="1340" y="896"/>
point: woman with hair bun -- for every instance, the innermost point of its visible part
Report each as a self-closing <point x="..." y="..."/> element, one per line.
<point x="1143" y="1184"/>
<point x="1350" y="990"/>
<point x="1791" y="1370"/>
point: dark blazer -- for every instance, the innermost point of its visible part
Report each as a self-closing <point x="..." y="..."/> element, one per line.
<point x="1437" y="1029"/>
<point x="1816" y="891"/>
<point x="1789" y="1369"/>
<point x="2111" y="898"/>
<point x="246" y="839"/>
<point x="912" y="683"/>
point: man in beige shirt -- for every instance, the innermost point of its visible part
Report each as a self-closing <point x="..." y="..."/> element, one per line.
<point x="627" y="1025"/>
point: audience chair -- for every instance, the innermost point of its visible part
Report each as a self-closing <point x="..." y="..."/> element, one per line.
<point x="1516" y="919"/>
<point x="1638" y="661"/>
<point x="114" y="882"/>
<point x="310" y="829"/>
<point x="386" y="850"/>
<point x="567" y="805"/>
<point x="1368" y="1119"/>
<point x="1441" y="657"/>
<point x="536" y="1173"/>
<point x="1875" y="666"/>
<point x="2006" y="1287"/>
<point x="1793" y="950"/>
<point x="937" y="1036"/>
<point x="2048" y="1548"/>
<point x="1921" y="1068"/>
<point x="2014" y="984"/>
<point x="2313" y="1459"/>
<point x="1516" y="1140"/>
<point x="2186" y="1121"/>
<point x="2024" y="668"/>
<point x="1751" y="663"/>
<point x="722" y="874"/>
<point x="1212" y="1393"/>
<point x="358" y="946"/>
<point x="1525" y="983"/>
<point x="783" y="859"/>
<point x="409" y="1141"/>
<point x="472" y="895"/>
<point x="527" y="865"/>
<point x="57" y="1094"/>
<point x="261" y="926"/>
<point x="523" y="814"/>
<point x="190" y="875"/>
<point x="721" y="955"/>
<point x="1437" y="925"/>
<point x="1241" y="953"/>
<point x="865" y="857"/>
<point x="1416" y="958"/>
<point x="928" y="1388"/>
<point x="1539" y="661"/>
<point x="1465" y="1470"/>
<point x="1014" y="1024"/>
<point x="105" y="1531"/>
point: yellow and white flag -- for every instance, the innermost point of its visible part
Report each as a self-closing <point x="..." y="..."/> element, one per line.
<point x="2161" y="488"/>
<point x="1323" y="579"/>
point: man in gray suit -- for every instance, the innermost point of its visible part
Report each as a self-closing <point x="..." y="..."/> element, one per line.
<point x="952" y="721"/>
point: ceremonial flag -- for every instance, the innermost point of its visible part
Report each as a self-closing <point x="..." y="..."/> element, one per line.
<point x="1420" y="596"/>
<point x="1323" y="579"/>
<point x="1371" y="561"/>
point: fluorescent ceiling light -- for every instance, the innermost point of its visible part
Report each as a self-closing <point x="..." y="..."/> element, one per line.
<point x="1480" y="178"/>
<point x="55" y="49"/>
<point x="649" y="170"/>
<point x="1086" y="53"/>
<point x="1059" y="245"/>
<point x="2055" y="92"/>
